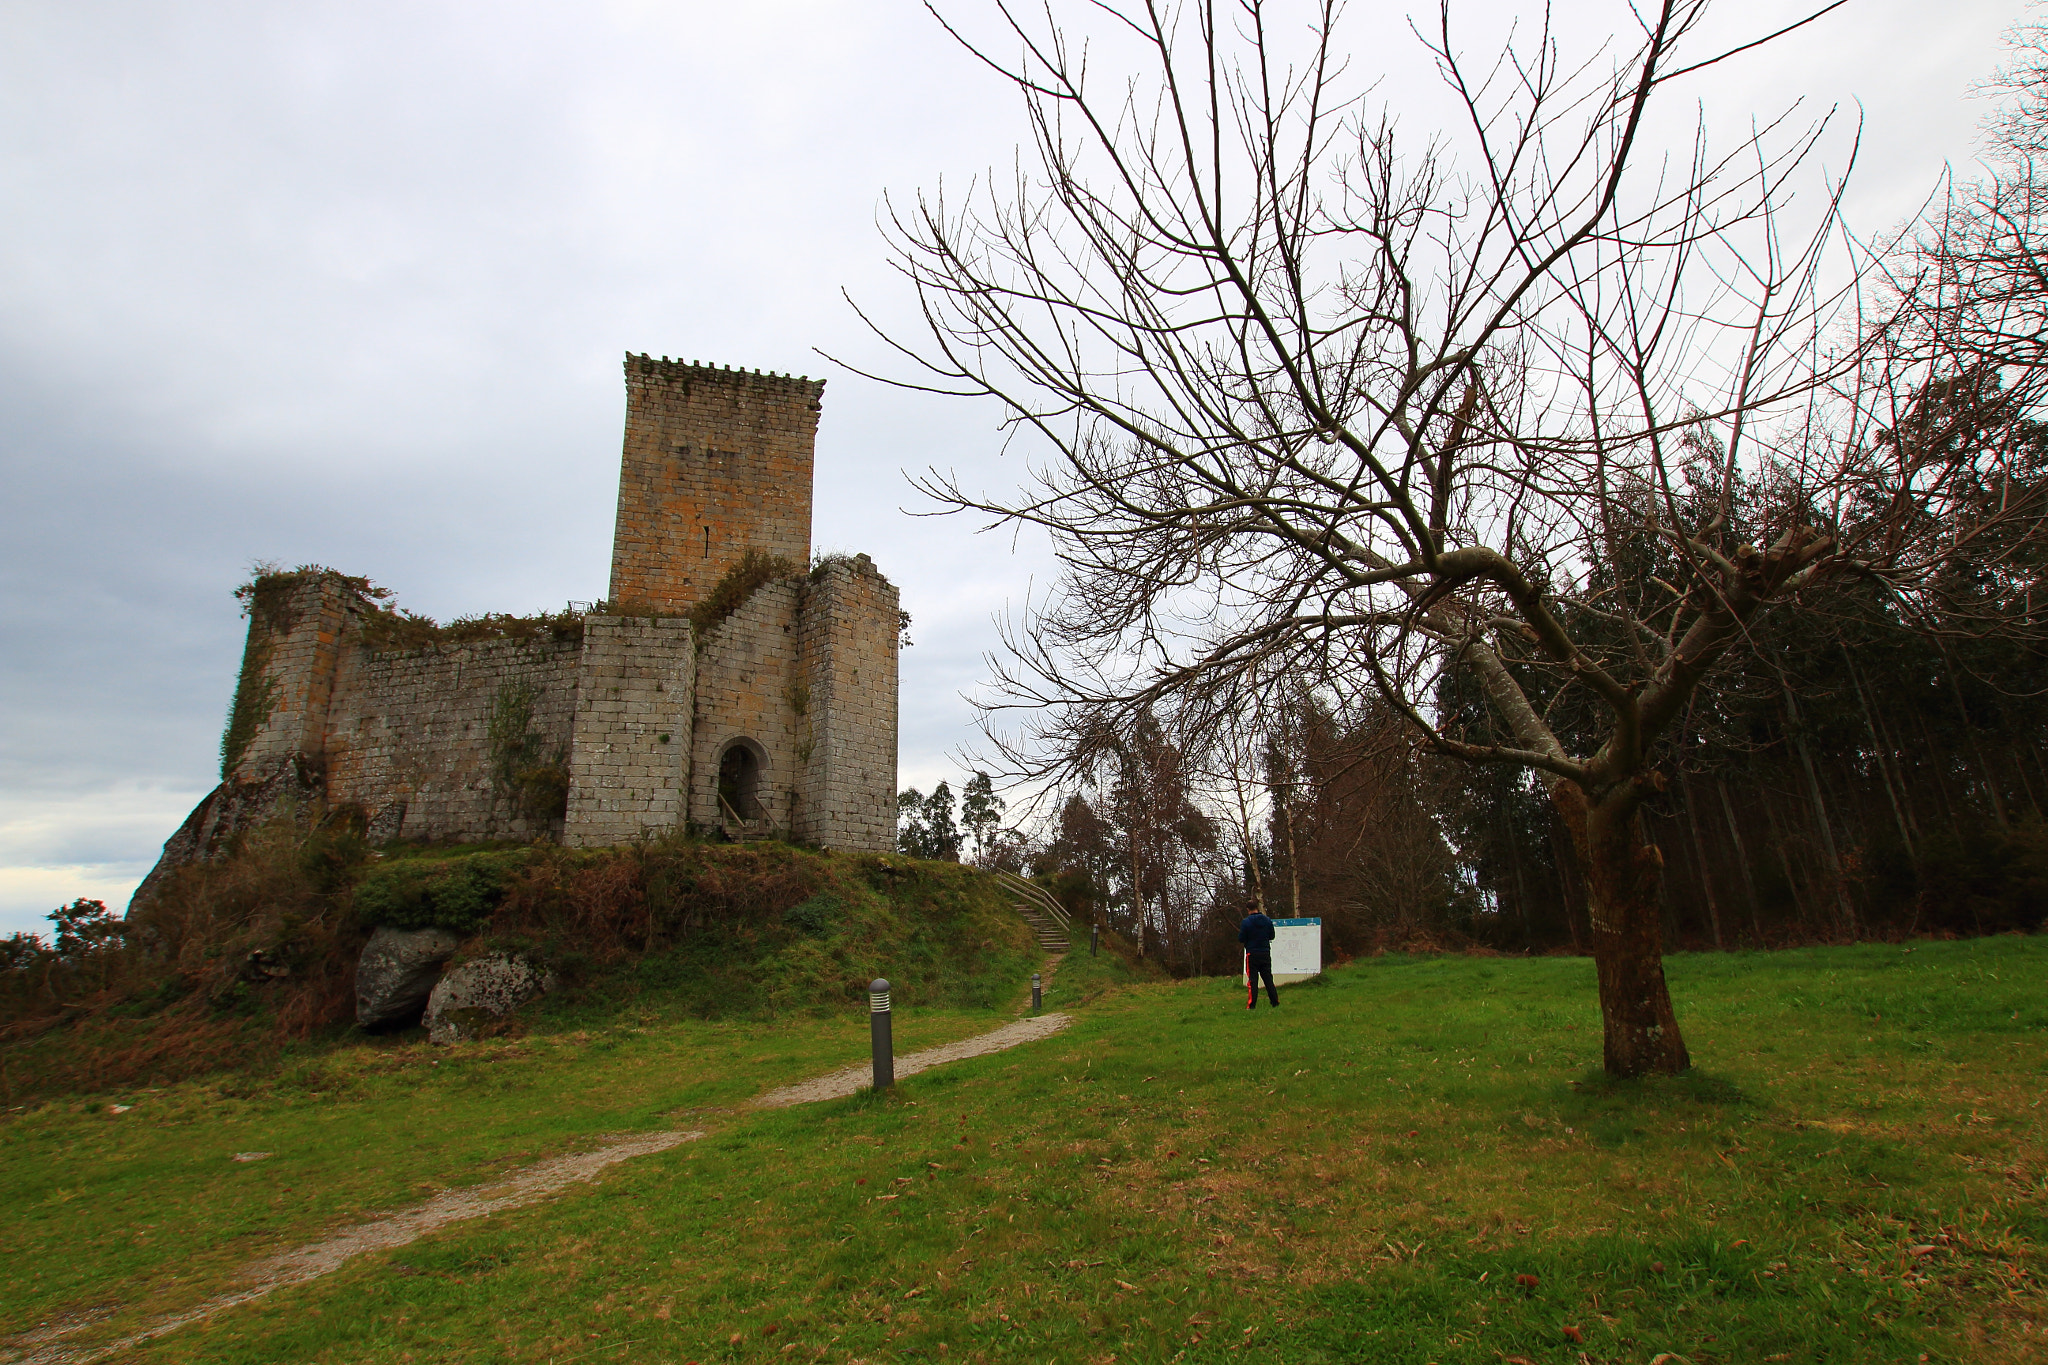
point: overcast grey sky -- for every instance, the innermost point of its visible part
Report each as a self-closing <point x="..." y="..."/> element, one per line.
<point x="349" y="283"/>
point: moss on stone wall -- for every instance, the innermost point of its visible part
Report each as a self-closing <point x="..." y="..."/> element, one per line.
<point x="255" y="698"/>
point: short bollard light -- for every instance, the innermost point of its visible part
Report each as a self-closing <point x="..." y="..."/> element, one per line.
<point x="1037" y="1000"/>
<point x="1094" y="938"/>
<point x="878" y="1033"/>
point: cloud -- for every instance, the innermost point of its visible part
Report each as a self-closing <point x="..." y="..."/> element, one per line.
<point x="349" y="283"/>
<point x="53" y="847"/>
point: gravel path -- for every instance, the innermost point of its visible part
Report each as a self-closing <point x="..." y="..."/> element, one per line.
<point x="843" y="1083"/>
<point x="310" y="1262"/>
<point x="43" y="1345"/>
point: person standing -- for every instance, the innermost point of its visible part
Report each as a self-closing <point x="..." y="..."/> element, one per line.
<point x="1256" y="934"/>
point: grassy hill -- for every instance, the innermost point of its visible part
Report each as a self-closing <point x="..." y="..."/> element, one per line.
<point x="1411" y="1162"/>
<point x="246" y="963"/>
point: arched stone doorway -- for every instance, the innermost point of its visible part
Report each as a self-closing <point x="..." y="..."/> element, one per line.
<point x="739" y="782"/>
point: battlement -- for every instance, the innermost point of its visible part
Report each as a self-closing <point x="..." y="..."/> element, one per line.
<point x="666" y="371"/>
<point x="716" y="462"/>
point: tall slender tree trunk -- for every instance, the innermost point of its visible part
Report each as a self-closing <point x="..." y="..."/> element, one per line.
<point x="1521" y="888"/>
<point x="1843" y="906"/>
<point x="1699" y="853"/>
<point x="1878" y="754"/>
<point x="1756" y="911"/>
<point x="1137" y="887"/>
<point x="1623" y="874"/>
<point x="1293" y="863"/>
<point x="1984" y="773"/>
<point x="1948" y="798"/>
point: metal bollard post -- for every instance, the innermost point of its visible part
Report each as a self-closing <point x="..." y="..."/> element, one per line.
<point x="1094" y="938"/>
<point x="1037" y="1000"/>
<point x="879" y="1033"/>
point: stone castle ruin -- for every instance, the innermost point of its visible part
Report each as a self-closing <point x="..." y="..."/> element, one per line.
<point x="727" y="685"/>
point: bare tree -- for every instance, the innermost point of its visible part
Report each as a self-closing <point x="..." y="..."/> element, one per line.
<point x="1308" y="402"/>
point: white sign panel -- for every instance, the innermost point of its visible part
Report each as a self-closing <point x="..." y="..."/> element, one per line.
<point x="1297" y="949"/>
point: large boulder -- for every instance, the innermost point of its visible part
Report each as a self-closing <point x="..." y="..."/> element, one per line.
<point x="474" y="995"/>
<point x="396" y="975"/>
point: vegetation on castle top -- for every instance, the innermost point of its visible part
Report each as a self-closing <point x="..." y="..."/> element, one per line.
<point x="388" y="628"/>
<point x="755" y="570"/>
<point x="268" y="600"/>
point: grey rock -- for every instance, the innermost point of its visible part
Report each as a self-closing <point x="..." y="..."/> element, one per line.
<point x="396" y="975"/>
<point x="287" y="787"/>
<point x="473" y="995"/>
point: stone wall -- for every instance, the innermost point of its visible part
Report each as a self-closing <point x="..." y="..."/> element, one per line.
<point x="716" y="462"/>
<point x="409" y="736"/>
<point x="747" y="669"/>
<point x="630" y="764"/>
<point x="296" y="630"/>
<point x="849" y="631"/>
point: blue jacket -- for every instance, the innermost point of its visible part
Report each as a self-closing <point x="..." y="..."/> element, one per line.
<point x="1256" y="934"/>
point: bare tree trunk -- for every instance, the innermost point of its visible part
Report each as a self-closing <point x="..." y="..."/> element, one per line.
<point x="1756" y="913"/>
<point x="1137" y="886"/>
<point x="1984" y="773"/>
<point x="1521" y="888"/>
<point x="1843" y="905"/>
<point x="1623" y="874"/>
<point x="1877" y="752"/>
<point x="1293" y="863"/>
<point x="1699" y="853"/>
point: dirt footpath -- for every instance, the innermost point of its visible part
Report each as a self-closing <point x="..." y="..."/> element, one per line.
<point x="842" y="1083"/>
<point x="43" y="1345"/>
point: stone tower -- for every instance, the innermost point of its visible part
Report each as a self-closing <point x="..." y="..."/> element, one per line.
<point x="716" y="462"/>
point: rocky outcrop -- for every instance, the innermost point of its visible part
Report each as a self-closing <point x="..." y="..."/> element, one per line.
<point x="472" y="996"/>
<point x="289" y="785"/>
<point x="396" y="975"/>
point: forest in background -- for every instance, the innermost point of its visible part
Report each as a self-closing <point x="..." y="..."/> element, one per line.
<point x="1878" y="778"/>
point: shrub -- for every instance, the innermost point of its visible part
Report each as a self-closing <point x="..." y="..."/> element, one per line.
<point x="456" y="894"/>
<point x="816" y="915"/>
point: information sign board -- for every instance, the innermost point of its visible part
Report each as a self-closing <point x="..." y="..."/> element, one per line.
<point x="1297" y="950"/>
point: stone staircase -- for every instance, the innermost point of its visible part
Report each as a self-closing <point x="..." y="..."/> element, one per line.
<point x="1046" y="916"/>
<point x="740" y="830"/>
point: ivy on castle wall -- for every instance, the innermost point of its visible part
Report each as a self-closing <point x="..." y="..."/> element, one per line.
<point x="269" y="599"/>
<point x="523" y="770"/>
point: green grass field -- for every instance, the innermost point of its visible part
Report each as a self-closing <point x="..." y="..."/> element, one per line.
<point x="1412" y="1161"/>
